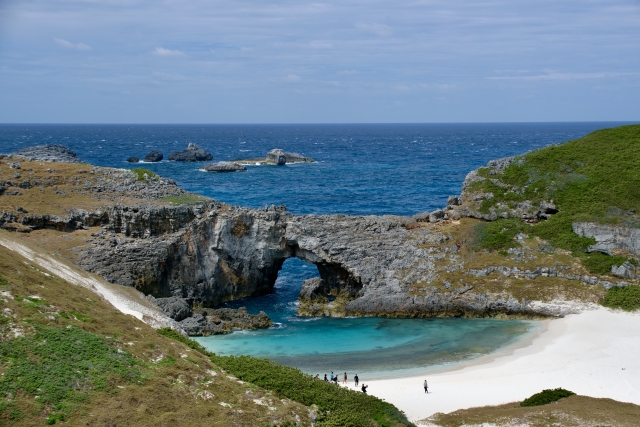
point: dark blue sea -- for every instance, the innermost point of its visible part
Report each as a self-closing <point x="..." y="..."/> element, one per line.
<point x="360" y="169"/>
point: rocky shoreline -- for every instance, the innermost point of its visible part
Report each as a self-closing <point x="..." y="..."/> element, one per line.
<point x="209" y="252"/>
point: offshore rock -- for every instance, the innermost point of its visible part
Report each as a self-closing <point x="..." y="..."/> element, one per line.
<point x="225" y="167"/>
<point x="223" y="320"/>
<point x="276" y="156"/>
<point x="153" y="157"/>
<point x="193" y="153"/>
<point x="133" y="160"/>
<point x="48" y="153"/>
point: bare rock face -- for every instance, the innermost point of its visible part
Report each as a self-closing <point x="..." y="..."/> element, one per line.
<point x="176" y="308"/>
<point x="608" y="237"/>
<point x="225" y="167"/>
<point x="48" y="153"/>
<point x="193" y="153"/>
<point x="276" y="156"/>
<point x="223" y="320"/>
<point x="153" y="157"/>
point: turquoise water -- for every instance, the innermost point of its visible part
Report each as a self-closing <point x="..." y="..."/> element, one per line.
<point x="372" y="347"/>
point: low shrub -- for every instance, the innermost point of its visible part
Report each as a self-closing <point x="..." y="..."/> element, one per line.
<point x="338" y="407"/>
<point x="140" y="172"/>
<point x="546" y="396"/>
<point x="498" y="235"/>
<point x="61" y="367"/>
<point x="599" y="263"/>
<point x="627" y="298"/>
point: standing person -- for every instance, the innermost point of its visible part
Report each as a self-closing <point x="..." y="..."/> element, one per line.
<point x="325" y="378"/>
<point x="331" y="377"/>
<point x="426" y="387"/>
<point x="344" y="379"/>
<point x="356" y="379"/>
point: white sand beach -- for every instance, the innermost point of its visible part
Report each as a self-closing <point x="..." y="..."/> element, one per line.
<point x="595" y="353"/>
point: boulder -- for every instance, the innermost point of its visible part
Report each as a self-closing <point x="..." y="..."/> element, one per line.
<point x="225" y="167"/>
<point x="133" y="160"/>
<point x="174" y="307"/>
<point x="624" y="271"/>
<point x="437" y="215"/>
<point x="276" y="156"/>
<point x="207" y="321"/>
<point x="153" y="156"/>
<point x="453" y="201"/>
<point x="193" y="153"/>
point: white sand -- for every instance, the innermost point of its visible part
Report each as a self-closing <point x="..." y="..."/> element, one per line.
<point x="595" y="353"/>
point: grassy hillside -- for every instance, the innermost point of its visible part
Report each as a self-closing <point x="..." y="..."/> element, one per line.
<point x="572" y="411"/>
<point x="594" y="178"/>
<point x="68" y="357"/>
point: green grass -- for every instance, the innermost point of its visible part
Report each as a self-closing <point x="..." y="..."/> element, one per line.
<point x="188" y="199"/>
<point x="627" y="298"/>
<point x="590" y="179"/>
<point x="62" y="367"/>
<point x="140" y="172"/>
<point x="338" y="407"/>
<point x="498" y="235"/>
<point x="546" y="396"/>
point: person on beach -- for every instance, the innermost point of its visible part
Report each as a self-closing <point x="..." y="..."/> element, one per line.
<point x="316" y="377"/>
<point x="325" y="378"/>
<point x="331" y="377"/>
<point x="344" y="379"/>
<point x="356" y="379"/>
<point x="426" y="387"/>
<point x="335" y="380"/>
<point x="364" y="388"/>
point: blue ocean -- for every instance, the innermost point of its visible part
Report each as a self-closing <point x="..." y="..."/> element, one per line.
<point x="359" y="169"/>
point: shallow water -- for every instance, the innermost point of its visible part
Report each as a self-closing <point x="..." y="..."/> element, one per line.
<point x="374" y="347"/>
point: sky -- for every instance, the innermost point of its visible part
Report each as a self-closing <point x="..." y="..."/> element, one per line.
<point x="338" y="61"/>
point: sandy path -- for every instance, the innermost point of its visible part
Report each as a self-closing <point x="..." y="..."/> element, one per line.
<point x="595" y="353"/>
<point x="125" y="299"/>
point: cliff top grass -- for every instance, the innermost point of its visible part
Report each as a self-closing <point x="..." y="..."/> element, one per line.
<point x="55" y="188"/>
<point x="570" y="411"/>
<point x="594" y="178"/>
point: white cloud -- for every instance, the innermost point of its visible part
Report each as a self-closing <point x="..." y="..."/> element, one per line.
<point x="292" y="78"/>
<point x="73" y="46"/>
<point x="160" y="51"/>
<point x="561" y="76"/>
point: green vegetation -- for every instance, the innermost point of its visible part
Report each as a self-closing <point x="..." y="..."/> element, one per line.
<point x="498" y="235"/>
<point x="337" y="406"/>
<point x="62" y="366"/>
<point x="590" y="179"/>
<point x="187" y="199"/>
<point x="627" y="298"/>
<point x="141" y="172"/>
<point x="546" y="396"/>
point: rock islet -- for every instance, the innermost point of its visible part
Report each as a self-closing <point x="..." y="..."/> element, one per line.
<point x="193" y="153"/>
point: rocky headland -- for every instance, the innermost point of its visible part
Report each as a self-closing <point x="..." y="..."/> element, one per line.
<point x="168" y="243"/>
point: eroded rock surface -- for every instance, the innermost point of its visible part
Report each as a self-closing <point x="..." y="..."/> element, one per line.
<point x="193" y="153"/>
<point x="223" y="320"/>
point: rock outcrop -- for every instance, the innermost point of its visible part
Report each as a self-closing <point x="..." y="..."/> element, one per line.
<point x="153" y="157"/>
<point x="277" y="157"/>
<point x="225" y="167"/>
<point x="133" y="160"/>
<point x="193" y="153"/>
<point x="48" y="153"/>
<point x="223" y="320"/>
<point x="609" y="237"/>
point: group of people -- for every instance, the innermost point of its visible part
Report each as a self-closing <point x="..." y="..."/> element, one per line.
<point x="335" y="378"/>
